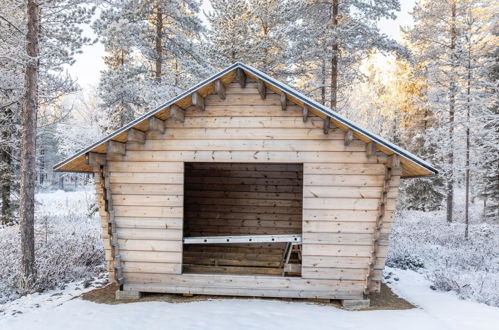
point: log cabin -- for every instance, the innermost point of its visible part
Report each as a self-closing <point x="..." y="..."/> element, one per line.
<point x="243" y="186"/>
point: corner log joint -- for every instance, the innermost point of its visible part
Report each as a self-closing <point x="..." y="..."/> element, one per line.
<point x="198" y="101"/>
<point x="134" y="135"/>
<point x="115" y="148"/>
<point x="371" y="149"/>
<point x="305" y="113"/>
<point x="348" y="137"/>
<point x="262" y="90"/>
<point x="156" y="125"/>
<point x="284" y="102"/>
<point x="220" y="89"/>
<point x="177" y="113"/>
<point x="95" y="159"/>
<point x="327" y="124"/>
<point x="241" y="77"/>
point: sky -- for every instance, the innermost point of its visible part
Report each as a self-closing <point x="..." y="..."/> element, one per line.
<point x="90" y="63"/>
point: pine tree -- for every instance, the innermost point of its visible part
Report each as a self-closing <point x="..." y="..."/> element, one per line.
<point x="333" y="38"/>
<point x="153" y="54"/>
<point x="254" y="32"/>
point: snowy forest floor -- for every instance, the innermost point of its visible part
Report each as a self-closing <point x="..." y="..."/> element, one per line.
<point x="447" y="277"/>
<point x="435" y="310"/>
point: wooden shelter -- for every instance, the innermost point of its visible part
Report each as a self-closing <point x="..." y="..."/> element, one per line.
<point x="243" y="186"/>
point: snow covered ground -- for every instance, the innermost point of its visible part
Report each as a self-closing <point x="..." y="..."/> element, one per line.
<point x="436" y="310"/>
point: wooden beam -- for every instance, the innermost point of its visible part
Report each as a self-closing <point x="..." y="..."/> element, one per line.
<point x="115" y="148"/>
<point x="283" y="101"/>
<point x="241" y="77"/>
<point x="348" y="137"/>
<point x="220" y="89"/>
<point x="95" y="159"/>
<point x="262" y="90"/>
<point x="134" y="135"/>
<point x="177" y="113"/>
<point x="156" y="124"/>
<point x="198" y="101"/>
<point x="305" y="113"/>
<point x="327" y="124"/>
<point x="371" y="149"/>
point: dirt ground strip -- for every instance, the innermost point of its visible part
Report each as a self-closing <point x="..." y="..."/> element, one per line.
<point x="384" y="300"/>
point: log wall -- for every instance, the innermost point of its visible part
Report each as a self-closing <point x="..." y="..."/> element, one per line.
<point x="342" y="187"/>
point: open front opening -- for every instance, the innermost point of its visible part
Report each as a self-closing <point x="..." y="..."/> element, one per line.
<point x="256" y="203"/>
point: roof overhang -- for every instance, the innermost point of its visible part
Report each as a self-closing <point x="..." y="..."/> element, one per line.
<point x="412" y="165"/>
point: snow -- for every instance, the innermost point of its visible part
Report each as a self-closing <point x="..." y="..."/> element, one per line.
<point x="436" y="310"/>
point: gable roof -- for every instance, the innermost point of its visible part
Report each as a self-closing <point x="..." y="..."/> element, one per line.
<point x="412" y="165"/>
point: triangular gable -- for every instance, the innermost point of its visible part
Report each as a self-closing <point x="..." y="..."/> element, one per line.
<point x="412" y="165"/>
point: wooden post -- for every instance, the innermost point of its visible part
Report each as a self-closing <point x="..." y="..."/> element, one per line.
<point x="283" y="101"/>
<point x="327" y="124"/>
<point x="262" y="90"/>
<point x="198" y="101"/>
<point x="177" y="113"/>
<point x="241" y="77"/>
<point x="348" y="137"/>
<point x="156" y="124"/>
<point x="305" y="113"/>
<point x="115" y="148"/>
<point x="220" y="89"/>
<point x="134" y="135"/>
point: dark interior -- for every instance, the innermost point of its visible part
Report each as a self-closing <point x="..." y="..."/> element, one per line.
<point x="222" y="199"/>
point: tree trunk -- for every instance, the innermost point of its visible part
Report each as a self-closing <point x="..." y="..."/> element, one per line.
<point x="6" y="174"/>
<point x="159" y="42"/>
<point x="6" y="183"/>
<point x="452" y="109"/>
<point x="323" y="85"/>
<point x="334" y="60"/>
<point x="28" y="147"/>
<point x="467" y="170"/>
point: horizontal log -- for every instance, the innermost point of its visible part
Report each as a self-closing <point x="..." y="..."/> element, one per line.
<point x="340" y="274"/>
<point x="252" y="133"/>
<point x="345" y="192"/>
<point x="250" y="291"/>
<point x="341" y="215"/>
<point x="340" y="262"/>
<point x="147" y="200"/>
<point x="152" y="267"/>
<point x="339" y="250"/>
<point x="148" y="211"/>
<point x="149" y="223"/>
<point x="143" y="178"/>
<point x="152" y="256"/>
<point x="147" y="189"/>
<point x="146" y="167"/>
<point x="150" y="245"/>
<point x="247" y="145"/>
<point x="247" y="111"/>
<point x="149" y="234"/>
<point x="249" y="156"/>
